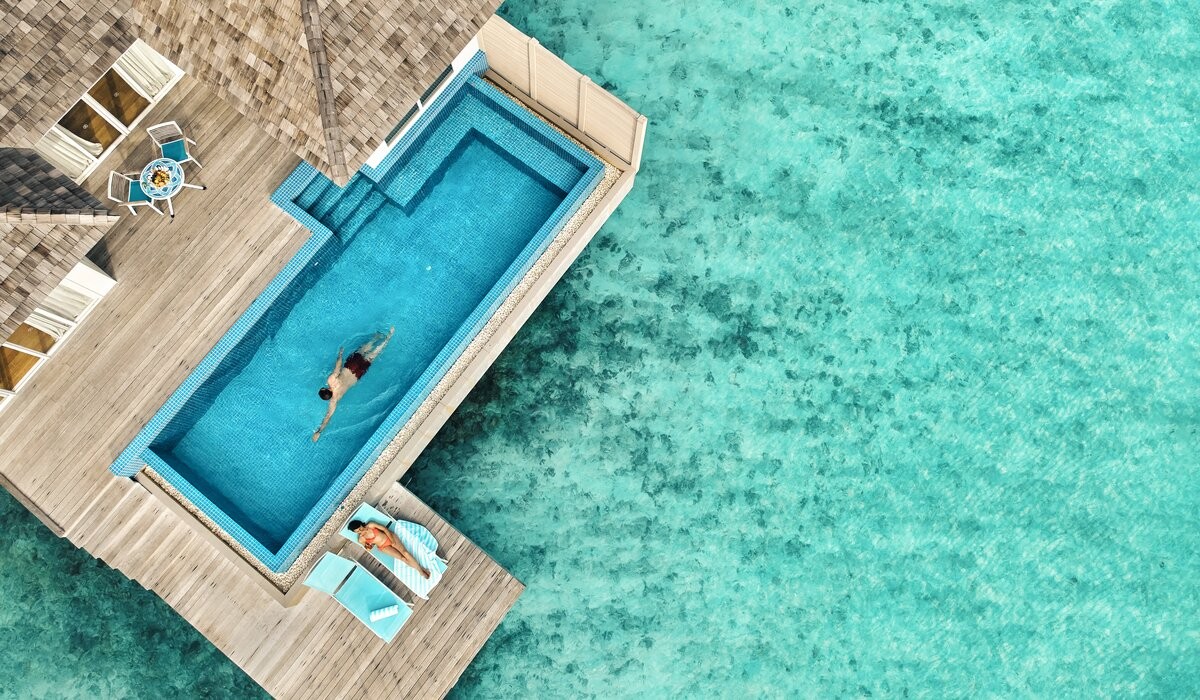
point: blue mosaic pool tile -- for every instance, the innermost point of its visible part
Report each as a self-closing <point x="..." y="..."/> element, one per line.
<point x="129" y="462"/>
<point x="362" y="214"/>
<point x="515" y="137"/>
<point x="326" y="201"/>
<point x="359" y="189"/>
<point x="312" y="191"/>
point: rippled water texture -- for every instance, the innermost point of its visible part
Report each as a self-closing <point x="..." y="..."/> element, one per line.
<point x="883" y="380"/>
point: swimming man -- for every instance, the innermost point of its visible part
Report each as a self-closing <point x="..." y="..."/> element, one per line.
<point x="371" y="535"/>
<point x="347" y="375"/>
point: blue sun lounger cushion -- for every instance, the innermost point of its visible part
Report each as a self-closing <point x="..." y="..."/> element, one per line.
<point x="175" y="150"/>
<point x="417" y="539"/>
<point x="360" y="593"/>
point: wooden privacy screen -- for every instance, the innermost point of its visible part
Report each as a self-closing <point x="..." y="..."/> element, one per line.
<point x="524" y="65"/>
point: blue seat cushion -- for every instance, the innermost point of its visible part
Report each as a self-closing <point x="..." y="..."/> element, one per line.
<point x="329" y="573"/>
<point x="363" y="593"/>
<point x="136" y="194"/>
<point x="175" y="150"/>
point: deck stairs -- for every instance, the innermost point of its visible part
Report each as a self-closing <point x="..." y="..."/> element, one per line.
<point x="135" y="533"/>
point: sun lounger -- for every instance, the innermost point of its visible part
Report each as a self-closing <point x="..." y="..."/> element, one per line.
<point x="359" y="592"/>
<point x="417" y="539"/>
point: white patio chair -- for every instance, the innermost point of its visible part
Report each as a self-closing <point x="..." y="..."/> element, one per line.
<point x="172" y="143"/>
<point x="127" y="190"/>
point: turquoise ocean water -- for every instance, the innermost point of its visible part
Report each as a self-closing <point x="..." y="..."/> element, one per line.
<point x="883" y="381"/>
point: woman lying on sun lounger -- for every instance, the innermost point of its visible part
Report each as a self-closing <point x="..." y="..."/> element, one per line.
<point x="372" y="535"/>
<point x="347" y="375"/>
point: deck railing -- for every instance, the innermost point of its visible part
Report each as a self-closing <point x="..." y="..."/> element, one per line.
<point x="523" y="65"/>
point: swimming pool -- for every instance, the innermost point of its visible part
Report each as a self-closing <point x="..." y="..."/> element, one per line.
<point x="430" y="242"/>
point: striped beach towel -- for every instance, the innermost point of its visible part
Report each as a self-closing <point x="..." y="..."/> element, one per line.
<point x="417" y="539"/>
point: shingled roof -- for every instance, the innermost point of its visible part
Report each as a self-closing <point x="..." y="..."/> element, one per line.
<point x="327" y="78"/>
<point x="47" y="224"/>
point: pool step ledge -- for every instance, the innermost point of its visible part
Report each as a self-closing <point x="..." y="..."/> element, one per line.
<point x="336" y="217"/>
<point x="365" y="211"/>
<point x="403" y="184"/>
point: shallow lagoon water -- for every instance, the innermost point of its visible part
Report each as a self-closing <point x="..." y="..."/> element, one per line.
<point x="71" y="627"/>
<point x="882" y="381"/>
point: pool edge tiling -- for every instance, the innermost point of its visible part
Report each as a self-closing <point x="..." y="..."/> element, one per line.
<point x="284" y="580"/>
<point x="277" y="565"/>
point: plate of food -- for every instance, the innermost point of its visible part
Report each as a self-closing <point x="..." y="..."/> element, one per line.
<point x="162" y="178"/>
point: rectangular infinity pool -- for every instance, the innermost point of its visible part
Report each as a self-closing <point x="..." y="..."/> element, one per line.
<point x="430" y="244"/>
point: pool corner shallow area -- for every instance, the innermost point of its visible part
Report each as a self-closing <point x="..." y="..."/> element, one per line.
<point x="428" y="243"/>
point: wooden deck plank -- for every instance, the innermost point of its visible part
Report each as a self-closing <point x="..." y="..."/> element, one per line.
<point x="459" y="597"/>
<point x="198" y="327"/>
<point x="409" y="683"/>
<point x="475" y="598"/>
<point x="105" y="497"/>
<point x="102" y="535"/>
<point x="171" y="292"/>
<point x="289" y="635"/>
<point x="440" y="678"/>
<point x="295" y="646"/>
<point x="431" y="638"/>
<point x="204" y="570"/>
<point x="152" y="554"/>
<point x="129" y="533"/>
<point x="156" y="552"/>
<point x="180" y="564"/>
<point x="345" y="633"/>
<point x="164" y="555"/>
<point x="100" y="510"/>
<point x="217" y="613"/>
<point x="268" y="622"/>
<point x="131" y="561"/>
<point x="424" y="637"/>
<point x="230" y="618"/>
<point x="202" y="561"/>
<point x="346" y="661"/>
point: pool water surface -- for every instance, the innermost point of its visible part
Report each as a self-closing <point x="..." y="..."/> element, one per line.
<point x="427" y="244"/>
<point x="420" y="273"/>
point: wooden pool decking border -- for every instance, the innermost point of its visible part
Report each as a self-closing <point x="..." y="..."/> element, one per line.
<point x="180" y="285"/>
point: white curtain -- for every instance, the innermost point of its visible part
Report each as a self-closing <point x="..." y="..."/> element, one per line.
<point x="68" y="302"/>
<point x="67" y="152"/>
<point x="94" y="149"/>
<point x="45" y="324"/>
<point x="146" y="69"/>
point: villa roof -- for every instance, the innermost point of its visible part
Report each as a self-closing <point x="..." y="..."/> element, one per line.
<point x="47" y="224"/>
<point x="327" y="78"/>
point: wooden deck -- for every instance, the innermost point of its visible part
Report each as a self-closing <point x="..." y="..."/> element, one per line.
<point x="314" y="649"/>
<point x="180" y="285"/>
